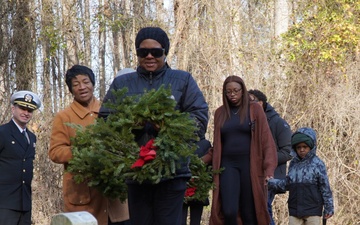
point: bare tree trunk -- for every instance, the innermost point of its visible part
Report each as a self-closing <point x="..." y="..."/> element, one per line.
<point x="116" y="15"/>
<point x="5" y="51"/>
<point x="160" y="11"/>
<point x="139" y="9"/>
<point x="102" y="49"/>
<point x="140" y="19"/>
<point x="5" y="87"/>
<point x="71" y="31"/>
<point x="33" y="45"/>
<point x="184" y="15"/>
<point x="55" y="80"/>
<point x="23" y="46"/>
<point x="281" y="16"/>
<point x="87" y="33"/>
<point x="126" y="46"/>
<point x="46" y="24"/>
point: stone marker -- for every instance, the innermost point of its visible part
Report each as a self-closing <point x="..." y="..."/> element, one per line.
<point x="74" y="218"/>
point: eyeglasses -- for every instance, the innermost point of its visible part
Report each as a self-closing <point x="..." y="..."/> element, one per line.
<point x="235" y="91"/>
<point x="156" y="52"/>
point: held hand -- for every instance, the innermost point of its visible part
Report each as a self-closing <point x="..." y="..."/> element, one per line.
<point x="267" y="178"/>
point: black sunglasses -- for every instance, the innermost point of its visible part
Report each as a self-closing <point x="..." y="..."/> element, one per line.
<point x="155" y="52"/>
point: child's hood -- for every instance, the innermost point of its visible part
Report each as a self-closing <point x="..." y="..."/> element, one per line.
<point x="310" y="133"/>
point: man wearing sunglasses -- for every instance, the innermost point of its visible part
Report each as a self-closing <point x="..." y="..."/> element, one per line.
<point x="17" y="153"/>
<point x="161" y="203"/>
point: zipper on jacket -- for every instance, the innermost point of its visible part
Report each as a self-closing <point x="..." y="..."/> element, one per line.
<point x="150" y="78"/>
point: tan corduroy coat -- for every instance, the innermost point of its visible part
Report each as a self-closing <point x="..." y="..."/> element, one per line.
<point x="263" y="161"/>
<point x="80" y="197"/>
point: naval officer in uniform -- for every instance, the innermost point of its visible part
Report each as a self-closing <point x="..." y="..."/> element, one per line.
<point x="17" y="153"/>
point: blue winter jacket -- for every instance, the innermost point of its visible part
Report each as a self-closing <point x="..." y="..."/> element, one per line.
<point x="307" y="183"/>
<point x="184" y="88"/>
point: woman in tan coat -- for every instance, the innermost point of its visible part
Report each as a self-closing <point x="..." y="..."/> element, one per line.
<point x="83" y="111"/>
<point x="244" y="148"/>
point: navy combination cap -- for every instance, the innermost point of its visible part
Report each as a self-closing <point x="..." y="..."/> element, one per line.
<point x="26" y="99"/>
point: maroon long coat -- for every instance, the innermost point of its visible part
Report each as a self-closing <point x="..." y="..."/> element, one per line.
<point x="263" y="161"/>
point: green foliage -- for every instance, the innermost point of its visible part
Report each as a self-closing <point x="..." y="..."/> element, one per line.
<point x="202" y="177"/>
<point x="104" y="152"/>
<point x="329" y="36"/>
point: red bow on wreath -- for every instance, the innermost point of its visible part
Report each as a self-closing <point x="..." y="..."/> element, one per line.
<point x="147" y="153"/>
<point x="190" y="191"/>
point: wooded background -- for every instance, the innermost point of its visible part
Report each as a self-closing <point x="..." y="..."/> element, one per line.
<point x="304" y="54"/>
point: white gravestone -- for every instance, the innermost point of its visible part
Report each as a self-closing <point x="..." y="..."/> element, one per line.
<point x="74" y="218"/>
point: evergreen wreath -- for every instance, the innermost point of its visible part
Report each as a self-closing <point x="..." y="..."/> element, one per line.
<point x="104" y="153"/>
<point x="201" y="181"/>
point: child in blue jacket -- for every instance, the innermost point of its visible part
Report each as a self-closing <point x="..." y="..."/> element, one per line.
<point x="310" y="196"/>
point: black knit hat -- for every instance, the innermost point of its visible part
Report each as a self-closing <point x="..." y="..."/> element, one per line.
<point x="155" y="33"/>
<point x="78" y="70"/>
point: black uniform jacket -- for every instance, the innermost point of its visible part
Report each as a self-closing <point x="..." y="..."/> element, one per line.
<point x="16" y="167"/>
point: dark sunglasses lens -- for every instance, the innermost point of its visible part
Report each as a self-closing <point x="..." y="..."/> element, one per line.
<point x="155" y="52"/>
<point x="142" y="52"/>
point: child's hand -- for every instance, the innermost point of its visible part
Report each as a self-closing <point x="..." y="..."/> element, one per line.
<point x="267" y="178"/>
<point x="327" y="216"/>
